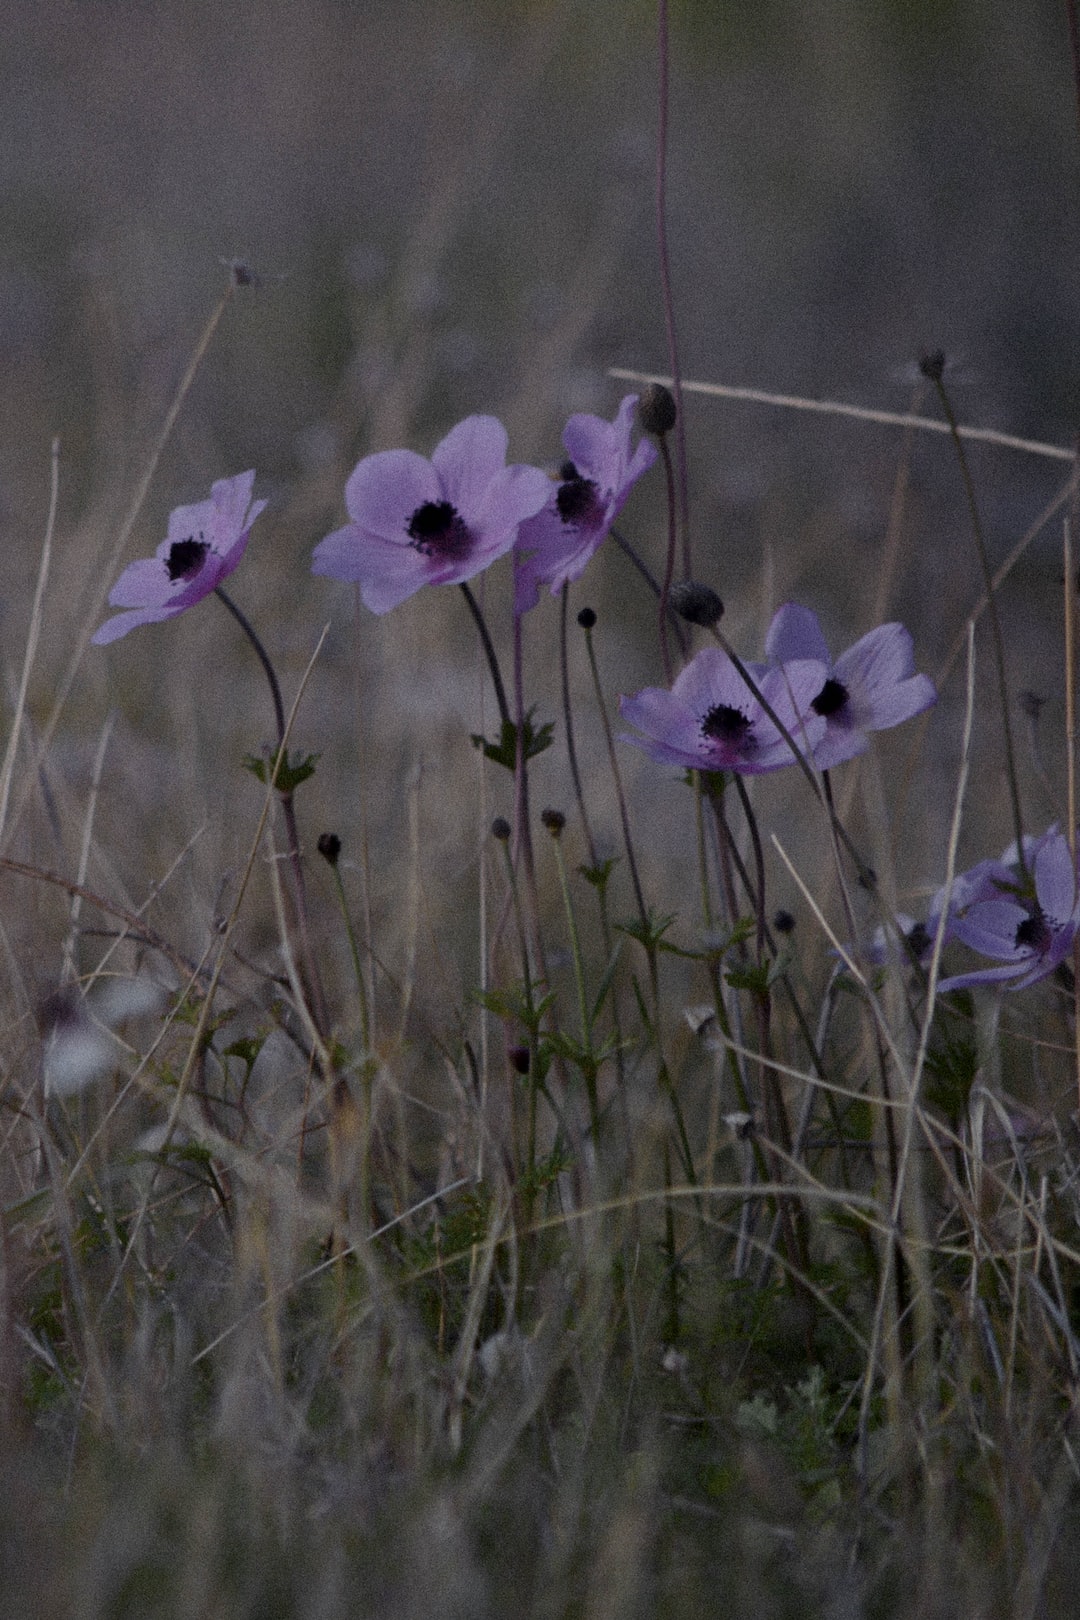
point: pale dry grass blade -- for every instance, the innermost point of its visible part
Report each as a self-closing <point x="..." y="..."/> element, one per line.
<point x="858" y="413"/>
<point x="32" y="636"/>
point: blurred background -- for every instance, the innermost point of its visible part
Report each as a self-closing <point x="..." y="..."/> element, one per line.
<point x="450" y="209"/>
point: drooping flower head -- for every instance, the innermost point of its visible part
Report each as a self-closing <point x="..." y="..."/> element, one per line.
<point x="711" y="721"/>
<point x="870" y="687"/>
<point x="555" y="546"/>
<point x="416" y="522"/>
<point x="203" y="545"/>
<point x="1028" y="928"/>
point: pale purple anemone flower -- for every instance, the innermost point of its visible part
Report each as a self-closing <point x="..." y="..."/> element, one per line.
<point x="870" y="687"/>
<point x="439" y="522"/>
<point x="555" y="545"/>
<point x="1029" y="933"/>
<point x="204" y="543"/>
<point x="711" y="721"/>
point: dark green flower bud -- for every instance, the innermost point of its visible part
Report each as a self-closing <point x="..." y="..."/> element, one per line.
<point x="699" y="604"/>
<point x="656" y="409"/>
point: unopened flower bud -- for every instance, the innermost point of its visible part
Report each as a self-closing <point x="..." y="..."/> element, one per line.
<point x="656" y="409"/>
<point x="586" y="618"/>
<point x="783" y="922"/>
<point x="519" y="1059"/>
<point x="500" y="829"/>
<point x="932" y="365"/>
<point x="554" y="821"/>
<point x="329" y="847"/>
<point x="699" y="604"/>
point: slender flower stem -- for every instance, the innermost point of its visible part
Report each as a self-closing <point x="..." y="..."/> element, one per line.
<point x="271" y="675"/>
<point x="616" y="774"/>
<point x="354" y="952"/>
<point x="315" y="989"/>
<point x="934" y="373"/>
<point x="663" y="62"/>
<point x="653" y="583"/>
<point x="669" y="562"/>
<point x="648" y="942"/>
<point x="568" y="725"/>
<point x="489" y="652"/>
<point x="588" y="1064"/>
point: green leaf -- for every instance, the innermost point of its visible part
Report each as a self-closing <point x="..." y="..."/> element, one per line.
<point x="290" y="773"/>
<point x="504" y="752"/>
<point x="599" y="874"/>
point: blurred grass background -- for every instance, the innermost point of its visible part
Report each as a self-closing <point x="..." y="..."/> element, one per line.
<point x="450" y="207"/>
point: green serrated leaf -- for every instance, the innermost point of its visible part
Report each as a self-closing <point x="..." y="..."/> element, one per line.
<point x="599" y="874"/>
<point x="535" y="739"/>
<point x="290" y="772"/>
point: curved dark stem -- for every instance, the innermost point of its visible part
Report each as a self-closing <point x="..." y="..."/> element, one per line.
<point x="568" y="722"/>
<point x="292" y="832"/>
<point x="246" y="626"/>
<point x="489" y="653"/>
<point x="644" y="570"/>
<point x="665" y="276"/>
<point x="669" y="561"/>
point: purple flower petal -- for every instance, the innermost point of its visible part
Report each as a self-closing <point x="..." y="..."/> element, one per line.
<point x="870" y="687"/>
<point x="204" y="544"/>
<point x="556" y="545"/>
<point x="712" y="720"/>
<point x="795" y="633"/>
<point x="437" y="522"/>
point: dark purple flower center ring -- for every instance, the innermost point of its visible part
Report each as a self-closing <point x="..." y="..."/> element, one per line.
<point x="724" y="723"/>
<point x="1034" y="932"/>
<point x="185" y="558"/>
<point x="831" y="699"/>
<point x="437" y="530"/>
<point x="578" y="499"/>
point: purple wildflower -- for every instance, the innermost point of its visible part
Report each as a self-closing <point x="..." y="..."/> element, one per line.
<point x="1030" y="933"/>
<point x="439" y="522"/>
<point x="555" y="545"/>
<point x="203" y="545"/>
<point x="870" y="687"/>
<point x="711" y="721"/>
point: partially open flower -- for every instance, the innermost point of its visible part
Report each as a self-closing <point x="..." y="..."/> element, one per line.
<point x="870" y="687"/>
<point x="555" y="546"/>
<point x="416" y="522"/>
<point x="711" y="721"/>
<point x="203" y="545"/>
<point x="1029" y="933"/>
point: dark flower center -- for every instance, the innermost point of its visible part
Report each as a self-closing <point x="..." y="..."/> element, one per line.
<point x="919" y="940"/>
<point x="438" y="530"/>
<point x="185" y="558"/>
<point x="578" y="498"/>
<point x="831" y="699"/>
<point x="726" y="724"/>
<point x="1034" y="932"/>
